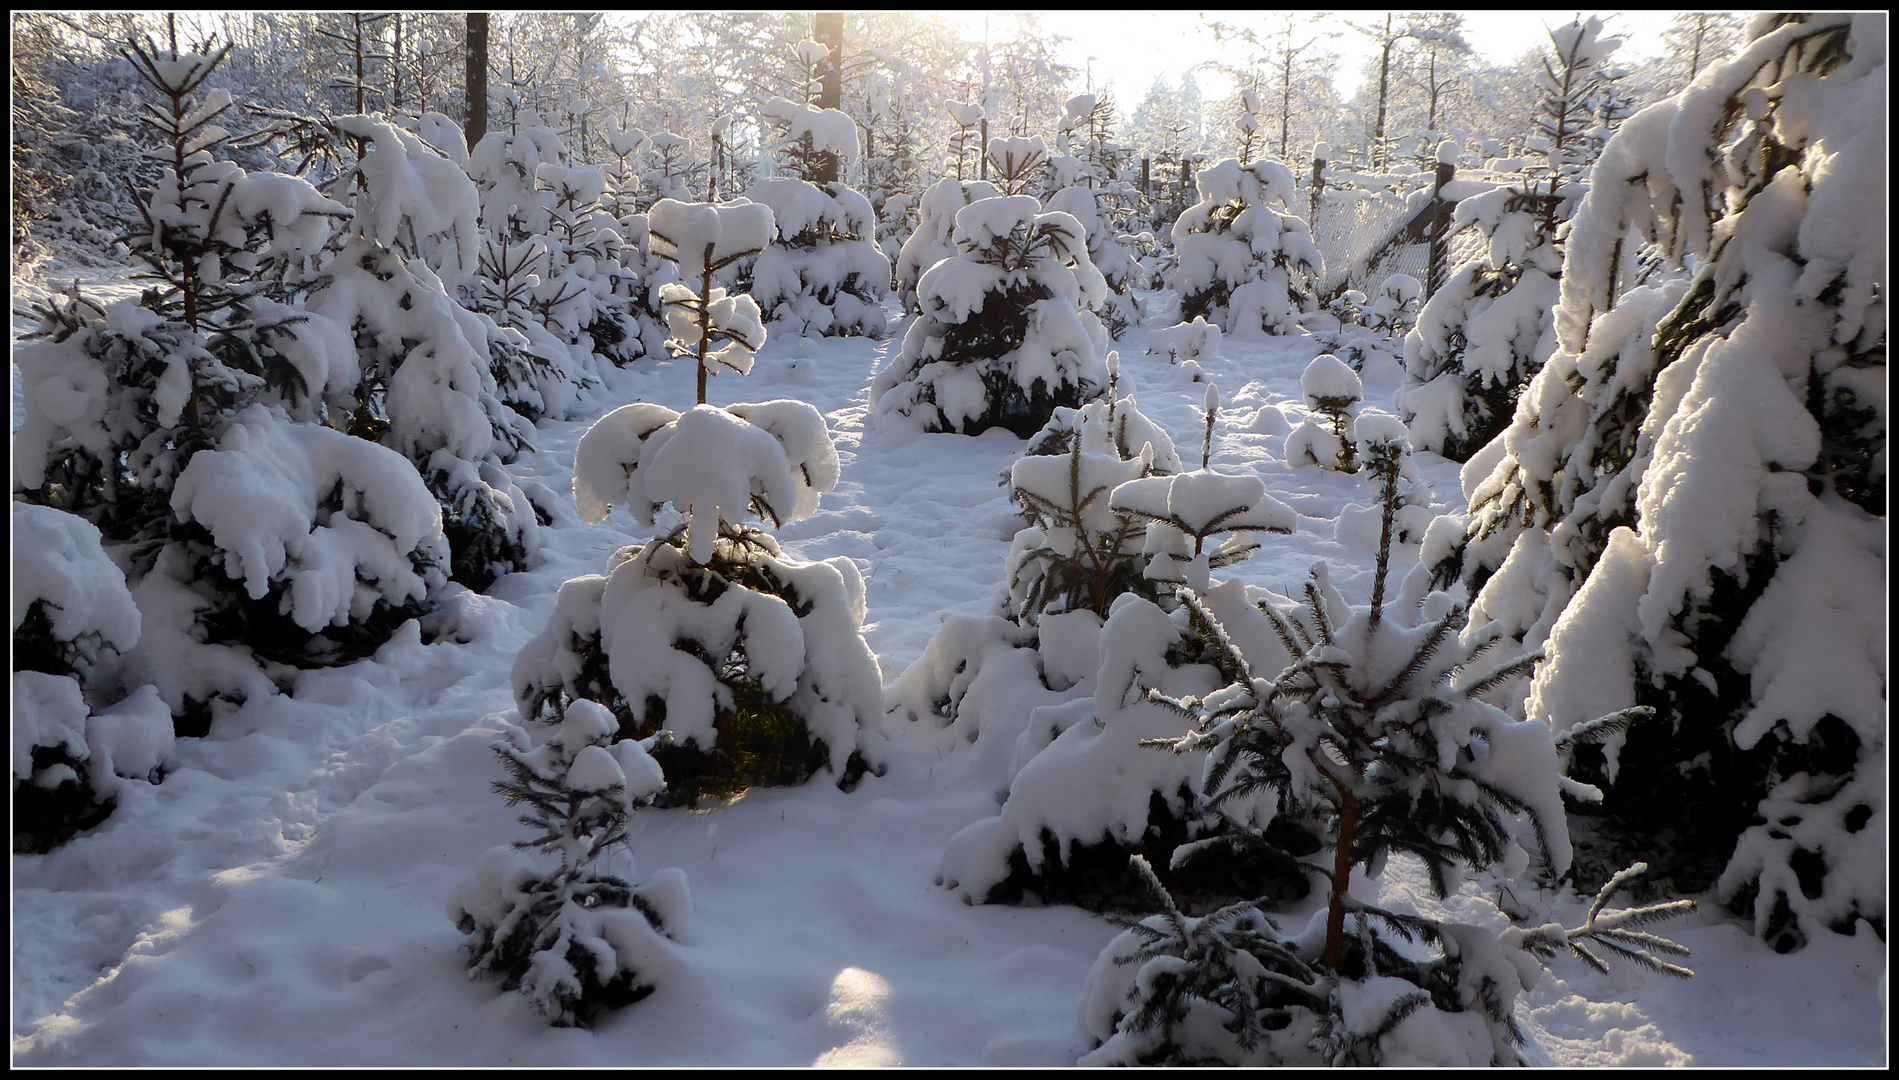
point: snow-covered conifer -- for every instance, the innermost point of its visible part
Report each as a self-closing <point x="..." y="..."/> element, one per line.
<point x="1371" y="331"/>
<point x="965" y="146"/>
<point x="1091" y="584"/>
<point x="1018" y="163"/>
<point x="1333" y="392"/>
<point x="1117" y="309"/>
<point x="934" y="237"/>
<point x="823" y="273"/>
<point x="1741" y="597"/>
<point x="1369" y="724"/>
<point x="1488" y="329"/>
<point x="1004" y="337"/>
<point x="1243" y="264"/>
<point x="428" y="388"/>
<point x="195" y="425"/>
<point x="700" y="240"/>
<point x="749" y="663"/>
<point x="72" y="614"/>
<point x="576" y="941"/>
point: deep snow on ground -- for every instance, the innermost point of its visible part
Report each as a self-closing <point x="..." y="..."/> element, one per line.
<point x="280" y="899"/>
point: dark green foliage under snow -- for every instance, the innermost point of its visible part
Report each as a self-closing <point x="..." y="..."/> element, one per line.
<point x="575" y="940"/>
<point x="1377" y="733"/>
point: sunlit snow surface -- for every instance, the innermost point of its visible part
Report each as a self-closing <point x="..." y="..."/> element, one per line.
<point x="280" y="899"/>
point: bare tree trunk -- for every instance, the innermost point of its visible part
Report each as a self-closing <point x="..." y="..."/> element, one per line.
<point x="830" y="32"/>
<point x="477" y="81"/>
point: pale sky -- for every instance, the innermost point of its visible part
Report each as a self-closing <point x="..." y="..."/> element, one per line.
<point x="1132" y="48"/>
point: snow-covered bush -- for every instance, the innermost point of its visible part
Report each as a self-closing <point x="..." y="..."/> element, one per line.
<point x="1186" y="343"/>
<point x="823" y="273"/>
<point x="1333" y="392"/>
<point x="427" y="387"/>
<point x="701" y="239"/>
<point x="584" y="295"/>
<point x="71" y="614"/>
<point x="752" y="663"/>
<point x="1079" y="188"/>
<point x="1244" y="265"/>
<point x="934" y="237"/>
<point x="1368" y="723"/>
<point x="199" y="426"/>
<point x="1738" y="586"/>
<point x="1045" y="686"/>
<point x="1488" y="328"/>
<point x="577" y="942"/>
<point x="1004" y="338"/>
<point x="1018" y="163"/>
<point x="1077" y="552"/>
<point x="1371" y="331"/>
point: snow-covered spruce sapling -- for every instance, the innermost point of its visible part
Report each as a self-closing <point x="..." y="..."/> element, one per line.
<point x="823" y="274"/>
<point x="1744" y="602"/>
<point x="1377" y="731"/>
<point x="211" y="448"/>
<point x="750" y="662"/>
<point x="933" y="240"/>
<point x="428" y="388"/>
<point x="1489" y="328"/>
<point x="1187" y="342"/>
<point x="72" y="615"/>
<point x="1077" y="554"/>
<point x="1082" y="794"/>
<point x="1243" y="264"/>
<point x="575" y="940"/>
<point x="1333" y="393"/>
<point x="1004" y="338"/>
<point x="1018" y="163"/>
<point x="1081" y="187"/>
<point x="1182" y="512"/>
<point x="702" y="239"/>
<point x="1371" y="330"/>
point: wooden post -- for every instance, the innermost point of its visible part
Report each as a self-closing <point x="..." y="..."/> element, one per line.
<point x="1146" y="176"/>
<point x="1440" y="229"/>
<point x="1318" y="187"/>
<point x="477" y="78"/>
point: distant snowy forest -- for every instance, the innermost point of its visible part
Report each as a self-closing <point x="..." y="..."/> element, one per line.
<point x="1415" y="564"/>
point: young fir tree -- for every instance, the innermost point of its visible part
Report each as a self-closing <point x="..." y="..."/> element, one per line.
<point x="1243" y="264"/>
<point x="576" y="941"/>
<point x="1004" y="337"/>
<point x="1371" y="332"/>
<point x="198" y="426"/>
<point x="1333" y="392"/>
<point x="519" y="280"/>
<point x="427" y="387"/>
<point x="1114" y="523"/>
<point x="1488" y="329"/>
<point x="1082" y="186"/>
<point x="823" y="274"/>
<point x="1742" y="494"/>
<point x="749" y="664"/>
<point x="1370" y="723"/>
<point x="933" y="240"/>
<point x="72" y="616"/>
